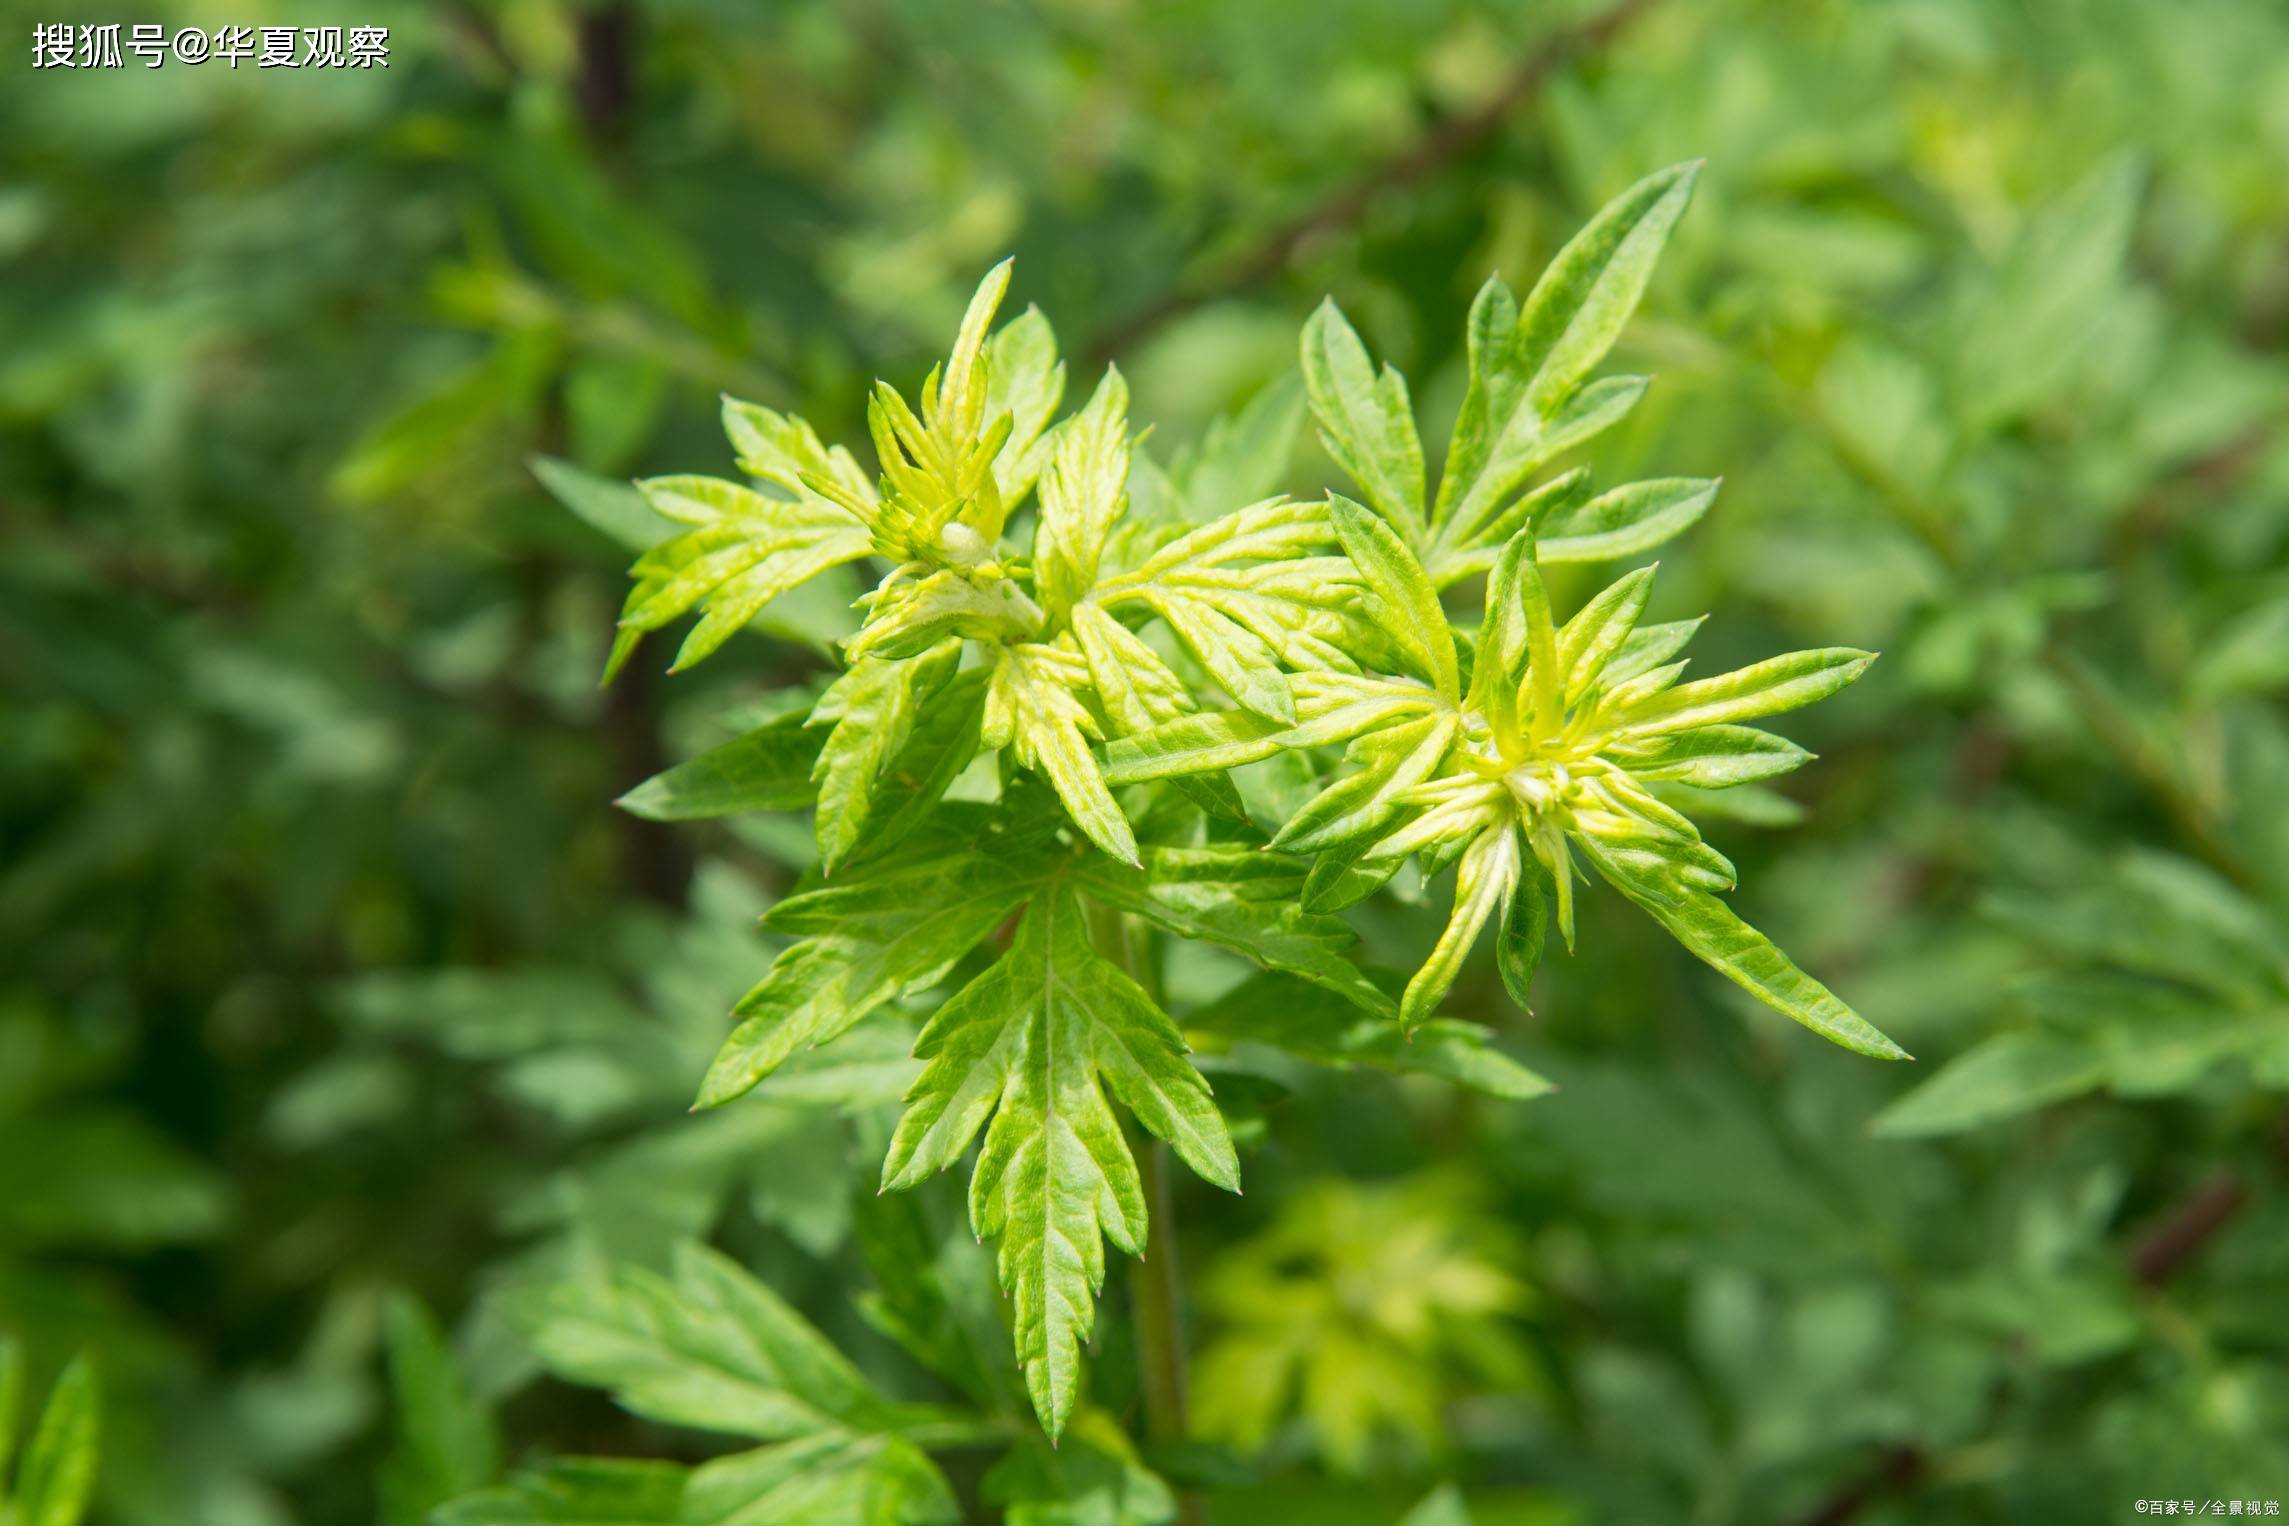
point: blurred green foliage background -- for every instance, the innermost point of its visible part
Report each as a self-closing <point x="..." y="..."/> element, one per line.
<point x="328" y="971"/>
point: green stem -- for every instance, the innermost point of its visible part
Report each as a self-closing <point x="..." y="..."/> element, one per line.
<point x="1156" y="1290"/>
<point x="1156" y="1282"/>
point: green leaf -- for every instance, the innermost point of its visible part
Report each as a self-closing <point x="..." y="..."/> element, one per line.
<point x="1033" y="1043"/>
<point x="946" y="735"/>
<point x="1483" y="884"/>
<point x="1625" y="521"/>
<point x="834" y="1480"/>
<point x="2000" y="1077"/>
<point x="2249" y="655"/>
<point x="1407" y="606"/>
<point x="1544" y="694"/>
<point x="2035" y="325"/>
<point x="1339" y="879"/>
<point x="11" y="1399"/>
<point x="1026" y="380"/>
<point x="1525" y="923"/>
<point x="1498" y="657"/>
<point x="58" y="1473"/>
<point x="1714" y="935"/>
<point x="1242" y="663"/>
<point x="1449" y="565"/>
<point x="446" y="1444"/>
<point x="890" y="928"/>
<point x="1032" y="710"/>
<point x="1393" y="761"/>
<point x="1762" y="688"/>
<point x="1249" y="591"/>
<point x="710" y="1348"/>
<point x="615" y="508"/>
<point x="1484" y="469"/>
<point x="1083" y="492"/>
<point x="1137" y="688"/>
<point x="935" y="1295"/>
<point x="576" y="1491"/>
<point x="1648" y="648"/>
<point x="1241" y="899"/>
<point x="1443" y="1506"/>
<point x="960" y="396"/>
<point x="1315" y="1025"/>
<point x="785" y="452"/>
<point x="1577" y="310"/>
<point x="1138" y="692"/>
<point x="1365" y="419"/>
<point x="1486" y="459"/>
<point x="872" y="708"/>
<point x="768" y="769"/>
<point x="1708" y="757"/>
<point x="1211" y="741"/>
<point x="744" y="550"/>
<point x="1094" y="1478"/>
<point x="1599" y="630"/>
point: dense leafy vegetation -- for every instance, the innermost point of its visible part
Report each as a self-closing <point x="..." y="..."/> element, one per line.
<point x="349" y="1035"/>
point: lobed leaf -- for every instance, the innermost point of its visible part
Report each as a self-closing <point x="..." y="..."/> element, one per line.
<point x="1240" y="899"/>
<point x="1649" y="648"/>
<point x="785" y="451"/>
<point x="1083" y="492"/>
<point x="1032" y="710"/>
<point x="836" y="1480"/>
<point x="1024" y="380"/>
<point x="1365" y="420"/>
<point x="1626" y="521"/>
<point x="1599" y="630"/>
<point x="1403" y="595"/>
<point x="1577" y="309"/>
<point x="1033" y="1044"/>
<point x="1211" y="741"/>
<point x="893" y="928"/>
<point x="576" y="1491"/>
<point x="708" y="1347"/>
<point x="872" y="709"/>
<point x="1246" y="593"/>
<point x="744" y="550"/>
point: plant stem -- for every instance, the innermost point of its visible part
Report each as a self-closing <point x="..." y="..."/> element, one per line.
<point x="1156" y="1282"/>
<point x="1156" y="1297"/>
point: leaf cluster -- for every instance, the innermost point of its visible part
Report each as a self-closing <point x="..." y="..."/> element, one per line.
<point x="1033" y="629"/>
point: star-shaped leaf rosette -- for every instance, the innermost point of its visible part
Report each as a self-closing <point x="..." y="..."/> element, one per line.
<point x="1536" y="749"/>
